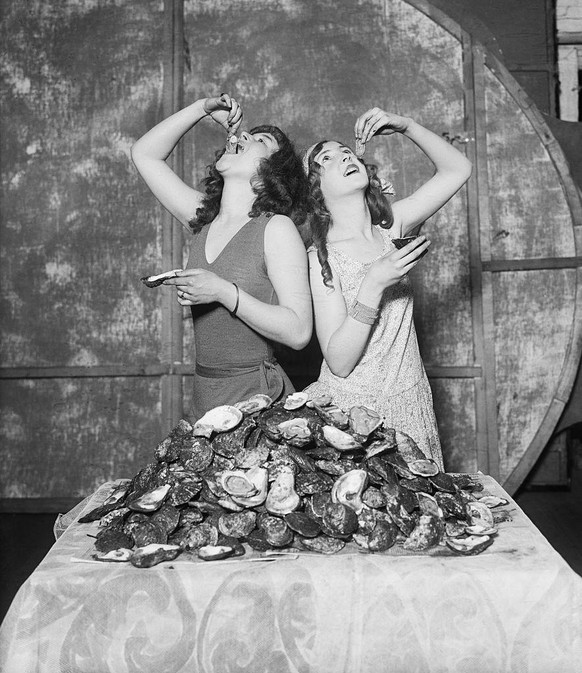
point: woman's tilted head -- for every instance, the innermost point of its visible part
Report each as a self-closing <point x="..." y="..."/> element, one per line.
<point x="333" y="172"/>
<point x="268" y="159"/>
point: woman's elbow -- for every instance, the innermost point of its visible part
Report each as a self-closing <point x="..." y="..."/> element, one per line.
<point x="341" y="370"/>
<point x="300" y="338"/>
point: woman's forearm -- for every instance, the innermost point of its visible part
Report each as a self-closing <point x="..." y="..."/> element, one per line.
<point x="159" y="141"/>
<point x="291" y="326"/>
<point x="446" y="158"/>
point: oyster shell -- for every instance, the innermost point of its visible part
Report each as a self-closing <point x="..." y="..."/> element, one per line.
<point x="309" y="483"/>
<point x="363" y="421"/>
<point x="114" y="556"/>
<point x="429" y="505"/>
<point x="296" y="431"/>
<point x="229" y="444"/>
<point x="150" y="501"/>
<point x="339" y="520"/>
<point x="417" y="484"/>
<point x="348" y="489"/>
<point x="237" y="525"/>
<point x="114" y="537"/>
<point x="480" y="530"/>
<point x="253" y="404"/>
<point x="382" y="537"/>
<point x="424" y="467"/>
<point x="407" y="447"/>
<point x="148" y="532"/>
<point x="367" y="521"/>
<point x="277" y="532"/>
<point x="152" y="554"/>
<point x="112" y="502"/>
<point x="214" y="552"/>
<point x="321" y="401"/>
<point x="167" y="518"/>
<point x="473" y="544"/>
<point x="443" y="482"/>
<point x="154" y="281"/>
<point x="219" y="419"/>
<point x="259" y="478"/>
<point x="303" y="524"/>
<point x="426" y="534"/>
<point x="322" y="544"/>
<point x="373" y="497"/>
<point x="194" y="537"/>
<point x="451" y="505"/>
<point x="480" y="514"/>
<point x="295" y="401"/>
<point x="236" y="482"/>
<point x="282" y="497"/>
<point x="340" y="440"/>
<point x="258" y="541"/>
<point x="333" y="415"/>
<point x="492" y="501"/>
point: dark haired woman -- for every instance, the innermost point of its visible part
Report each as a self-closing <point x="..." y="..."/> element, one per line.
<point x="361" y="291"/>
<point x="246" y="278"/>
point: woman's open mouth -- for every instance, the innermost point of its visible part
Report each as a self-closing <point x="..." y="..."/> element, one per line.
<point x="351" y="169"/>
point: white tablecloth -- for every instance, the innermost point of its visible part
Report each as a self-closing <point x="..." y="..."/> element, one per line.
<point x="515" y="607"/>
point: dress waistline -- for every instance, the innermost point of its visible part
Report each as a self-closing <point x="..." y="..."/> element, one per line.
<point x="228" y="370"/>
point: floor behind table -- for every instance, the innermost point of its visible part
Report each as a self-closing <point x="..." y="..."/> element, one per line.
<point x="26" y="538"/>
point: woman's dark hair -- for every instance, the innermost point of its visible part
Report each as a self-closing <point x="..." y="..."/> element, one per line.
<point x="280" y="185"/>
<point x="319" y="218"/>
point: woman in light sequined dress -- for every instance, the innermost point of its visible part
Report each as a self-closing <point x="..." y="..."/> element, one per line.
<point x="359" y="279"/>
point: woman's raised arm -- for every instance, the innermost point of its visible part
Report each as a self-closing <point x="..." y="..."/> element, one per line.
<point x="150" y="152"/>
<point x="453" y="169"/>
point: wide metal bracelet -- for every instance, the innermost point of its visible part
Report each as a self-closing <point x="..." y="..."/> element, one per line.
<point x="363" y="313"/>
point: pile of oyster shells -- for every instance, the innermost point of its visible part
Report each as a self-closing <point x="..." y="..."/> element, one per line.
<point x="300" y="474"/>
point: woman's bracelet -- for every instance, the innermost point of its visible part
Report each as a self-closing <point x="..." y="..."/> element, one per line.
<point x="235" y="309"/>
<point x="363" y="313"/>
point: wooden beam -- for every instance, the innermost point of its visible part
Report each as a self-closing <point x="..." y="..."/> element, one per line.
<point x="171" y="329"/>
<point x="497" y="265"/>
<point x="104" y="371"/>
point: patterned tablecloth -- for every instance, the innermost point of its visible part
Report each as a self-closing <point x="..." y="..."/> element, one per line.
<point x="515" y="607"/>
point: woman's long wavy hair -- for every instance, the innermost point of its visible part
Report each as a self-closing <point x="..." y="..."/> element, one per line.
<point x="319" y="218"/>
<point x="280" y="184"/>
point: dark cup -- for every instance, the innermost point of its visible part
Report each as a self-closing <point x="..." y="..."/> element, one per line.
<point x="401" y="242"/>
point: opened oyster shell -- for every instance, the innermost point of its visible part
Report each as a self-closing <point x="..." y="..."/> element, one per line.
<point x="295" y="401"/>
<point x="348" y="489"/>
<point x="219" y="419"/>
<point x="282" y="498"/>
<point x="473" y="544"/>
<point x="340" y="440"/>
<point x="253" y="404"/>
<point x="154" y="281"/>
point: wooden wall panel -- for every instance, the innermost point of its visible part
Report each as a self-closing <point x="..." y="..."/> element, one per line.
<point x="533" y="319"/>
<point x="78" y="228"/>
<point x="530" y="217"/>
<point x="454" y="403"/>
<point x="62" y="438"/>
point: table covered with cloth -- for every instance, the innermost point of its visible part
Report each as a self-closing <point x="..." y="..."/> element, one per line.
<point x="516" y="607"/>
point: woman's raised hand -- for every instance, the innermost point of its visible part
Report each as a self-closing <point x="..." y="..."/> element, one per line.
<point x="379" y="122"/>
<point x="392" y="267"/>
<point x="225" y="111"/>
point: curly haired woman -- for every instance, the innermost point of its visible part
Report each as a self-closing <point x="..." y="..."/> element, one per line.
<point x="246" y="278"/>
<point x="361" y="291"/>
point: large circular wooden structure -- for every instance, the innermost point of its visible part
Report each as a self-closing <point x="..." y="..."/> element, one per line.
<point x="95" y="367"/>
<point x="497" y="309"/>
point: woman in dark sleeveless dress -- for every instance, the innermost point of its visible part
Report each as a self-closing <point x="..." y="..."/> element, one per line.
<point x="246" y="277"/>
